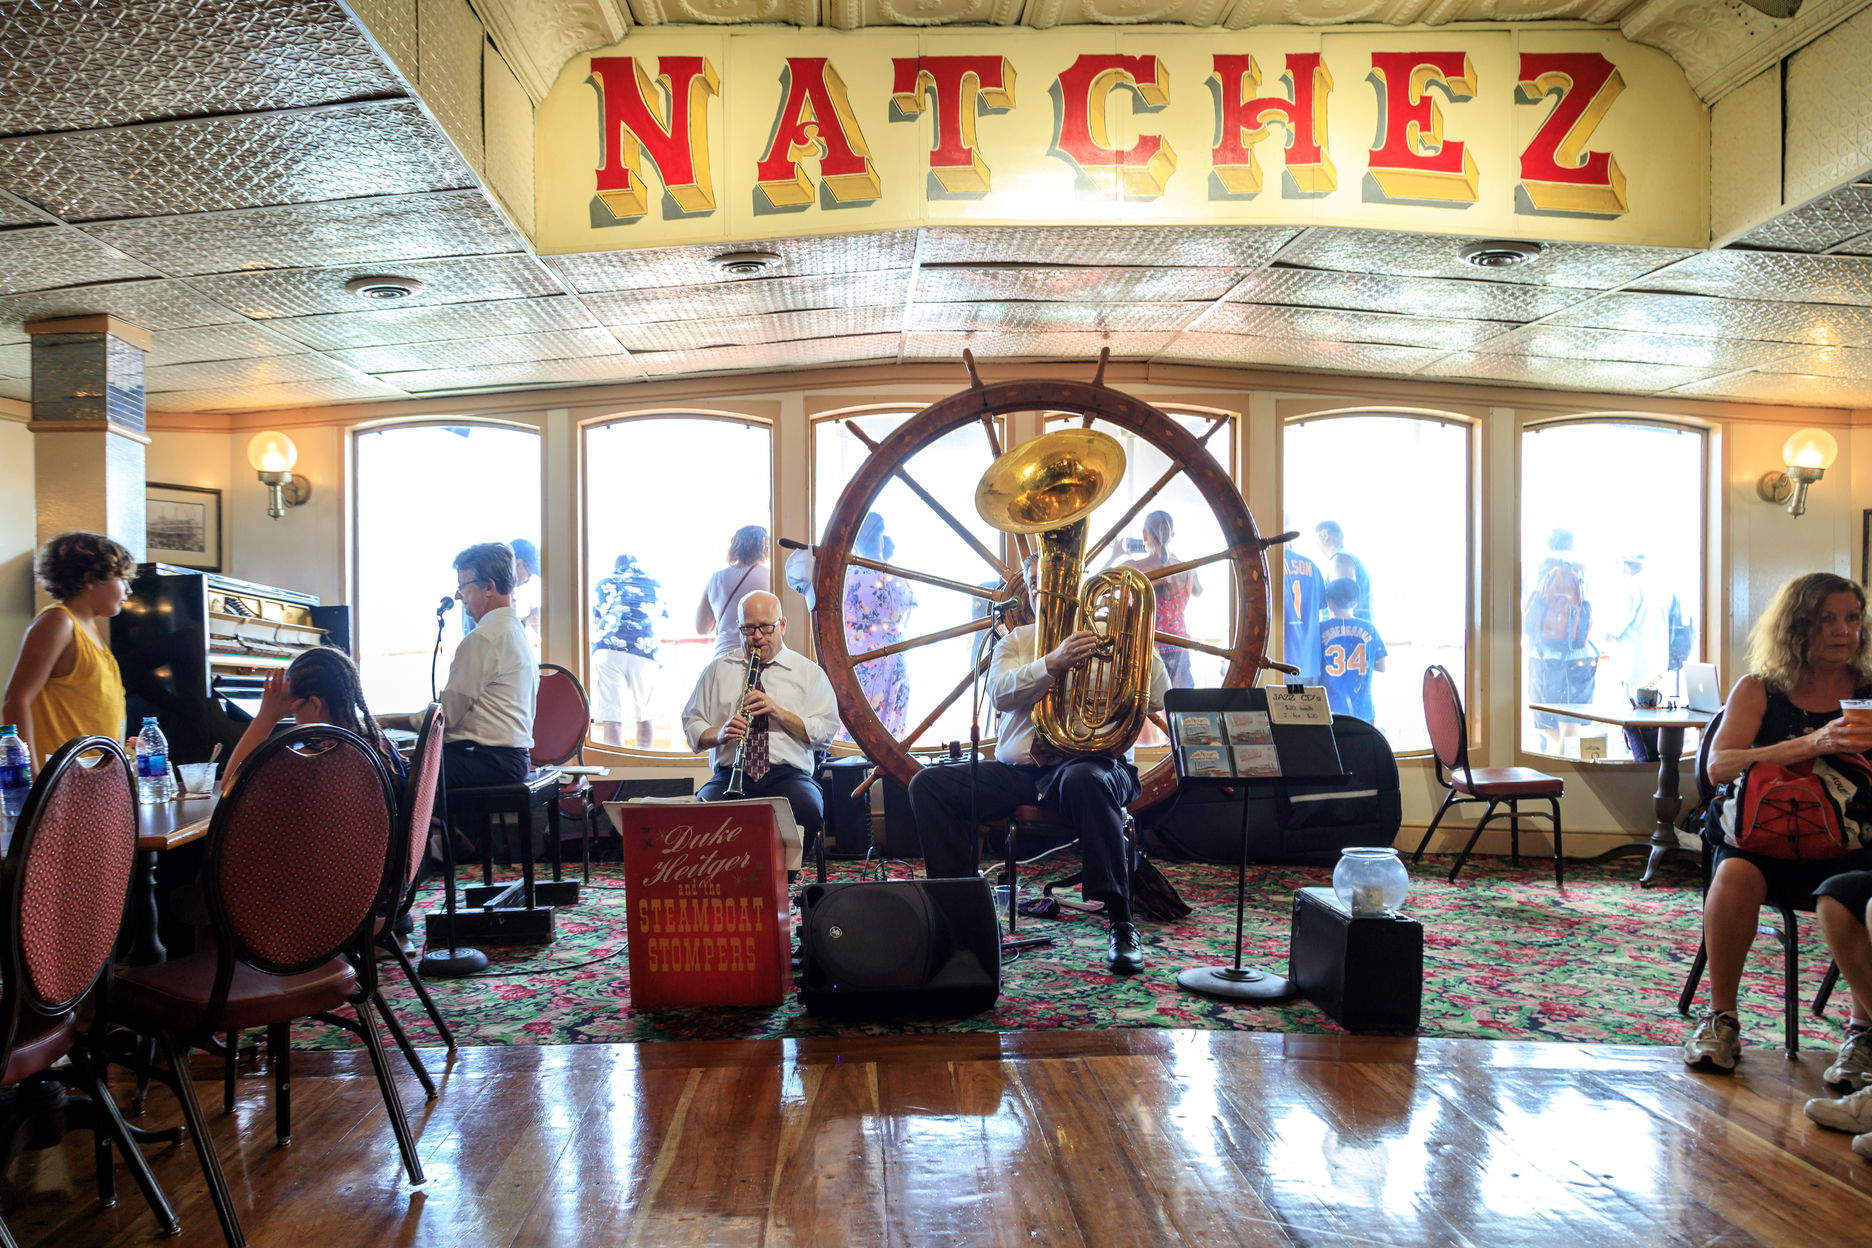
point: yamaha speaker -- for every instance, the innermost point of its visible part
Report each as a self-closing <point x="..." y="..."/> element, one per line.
<point x="900" y="948"/>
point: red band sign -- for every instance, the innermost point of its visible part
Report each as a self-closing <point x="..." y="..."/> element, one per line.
<point x="686" y="137"/>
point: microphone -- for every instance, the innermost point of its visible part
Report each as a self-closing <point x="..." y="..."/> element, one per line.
<point x="1005" y="605"/>
<point x="790" y="544"/>
<point x="447" y="603"/>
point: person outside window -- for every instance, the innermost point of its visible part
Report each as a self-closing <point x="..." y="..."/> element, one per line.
<point x="65" y="683"/>
<point x="1563" y="664"/>
<point x="528" y="592"/>
<point x="877" y="610"/>
<point x="1303" y="597"/>
<point x="1336" y="563"/>
<point x="1173" y="593"/>
<point x="1352" y="650"/>
<point x="1637" y="635"/>
<point x="624" y="651"/>
<point x="745" y="574"/>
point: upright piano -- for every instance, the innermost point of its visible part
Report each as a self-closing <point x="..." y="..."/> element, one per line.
<point x="195" y="648"/>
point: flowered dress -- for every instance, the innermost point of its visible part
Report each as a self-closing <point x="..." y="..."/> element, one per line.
<point x="877" y="607"/>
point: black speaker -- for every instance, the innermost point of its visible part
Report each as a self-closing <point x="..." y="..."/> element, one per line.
<point x="900" y="948"/>
<point x="1367" y="973"/>
<point x="847" y="818"/>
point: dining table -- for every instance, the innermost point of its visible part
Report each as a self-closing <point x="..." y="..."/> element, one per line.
<point x="1671" y="723"/>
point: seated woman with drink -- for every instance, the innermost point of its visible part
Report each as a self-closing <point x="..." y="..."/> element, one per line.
<point x="1807" y="653"/>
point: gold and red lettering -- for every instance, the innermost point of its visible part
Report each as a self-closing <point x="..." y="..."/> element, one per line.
<point x="632" y="127"/>
<point x="1558" y="174"/>
<point x="1242" y="122"/>
<point x="1083" y="136"/>
<point x="955" y="85"/>
<point x="1414" y="160"/>
<point x="816" y="118"/>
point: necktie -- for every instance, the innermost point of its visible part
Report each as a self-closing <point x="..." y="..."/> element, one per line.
<point x="755" y="762"/>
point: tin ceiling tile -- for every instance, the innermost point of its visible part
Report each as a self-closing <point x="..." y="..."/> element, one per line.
<point x="694" y="266"/>
<point x="44" y="257"/>
<point x="244" y="341"/>
<point x="16" y="360"/>
<point x="264" y="371"/>
<point x="772" y="355"/>
<point x="522" y="373"/>
<point x="152" y="305"/>
<point x="1818" y="226"/>
<point x="1377" y="292"/>
<point x="13" y="212"/>
<point x="1070" y="346"/>
<point x="1704" y="316"/>
<point x="392" y="23"/>
<point x="449" y="42"/>
<point x="260" y="398"/>
<point x="1194" y="247"/>
<point x="1770" y="275"/>
<point x="1568" y="374"/>
<point x="16" y="388"/>
<point x="1585" y="265"/>
<point x="1091" y="284"/>
<point x="1343" y="357"/>
<point x="381" y="148"/>
<point x="747" y="330"/>
<point x="1685" y="350"/>
<point x="1122" y="317"/>
<point x="624" y="309"/>
<point x="1263" y="321"/>
<point x="311" y="292"/>
<point x="392" y="326"/>
<point x="97" y="63"/>
<point x="353" y="231"/>
<point x="1840" y="362"/>
<point x="1798" y="390"/>
<point x="474" y="352"/>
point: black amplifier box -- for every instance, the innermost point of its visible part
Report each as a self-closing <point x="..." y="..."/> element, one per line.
<point x="1365" y="972"/>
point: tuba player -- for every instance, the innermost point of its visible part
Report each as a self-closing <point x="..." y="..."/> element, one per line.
<point x="1088" y="791"/>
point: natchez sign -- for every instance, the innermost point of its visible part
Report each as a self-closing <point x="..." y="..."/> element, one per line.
<point x="1546" y="133"/>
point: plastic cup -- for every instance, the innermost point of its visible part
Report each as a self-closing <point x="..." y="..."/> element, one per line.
<point x="198" y="778"/>
<point x="1857" y="710"/>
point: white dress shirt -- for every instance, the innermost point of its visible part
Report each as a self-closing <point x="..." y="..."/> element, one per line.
<point x="493" y="682"/>
<point x="1018" y="679"/>
<point x="792" y="680"/>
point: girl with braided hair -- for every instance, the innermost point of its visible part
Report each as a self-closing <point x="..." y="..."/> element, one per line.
<point x="320" y="687"/>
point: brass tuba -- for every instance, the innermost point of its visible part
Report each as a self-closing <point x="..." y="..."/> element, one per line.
<point x="1049" y="486"/>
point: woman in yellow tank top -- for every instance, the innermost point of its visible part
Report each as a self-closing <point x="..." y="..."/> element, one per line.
<point x="65" y="683"/>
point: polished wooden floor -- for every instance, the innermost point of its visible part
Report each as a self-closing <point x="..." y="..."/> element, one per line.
<point x="1135" y="1138"/>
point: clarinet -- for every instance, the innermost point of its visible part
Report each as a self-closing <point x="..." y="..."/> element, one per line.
<point x="737" y="777"/>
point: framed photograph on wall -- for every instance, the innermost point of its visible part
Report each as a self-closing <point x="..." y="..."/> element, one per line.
<point x="184" y="525"/>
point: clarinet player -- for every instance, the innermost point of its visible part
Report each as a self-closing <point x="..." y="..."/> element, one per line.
<point x="788" y="714"/>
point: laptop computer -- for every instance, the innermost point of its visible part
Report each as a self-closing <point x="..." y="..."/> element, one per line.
<point x="1702" y="692"/>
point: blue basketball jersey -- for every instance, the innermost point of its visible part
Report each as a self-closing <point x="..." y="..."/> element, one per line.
<point x="1351" y="649"/>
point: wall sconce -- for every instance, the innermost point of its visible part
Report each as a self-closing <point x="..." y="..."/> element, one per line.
<point x="1808" y="454"/>
<point x="272" y="455"/>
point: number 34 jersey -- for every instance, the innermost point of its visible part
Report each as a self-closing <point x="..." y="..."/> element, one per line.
<point x="1352" y="651"/>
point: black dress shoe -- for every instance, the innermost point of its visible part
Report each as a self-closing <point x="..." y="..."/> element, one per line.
<point x="1124" y="953"/>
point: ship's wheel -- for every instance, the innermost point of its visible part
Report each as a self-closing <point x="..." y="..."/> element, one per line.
<point x="946" y="499"/>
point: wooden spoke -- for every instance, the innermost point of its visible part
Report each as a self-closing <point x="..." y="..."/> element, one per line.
<point x="897" y="470"/>
<point x="1144" y="500"/>
<point x="1172" y="569"/>
<point x="958" y="630"/>
<point x="992" y="594"/>
<point x="1190" y="643"/>
<point x="916" y="733"/>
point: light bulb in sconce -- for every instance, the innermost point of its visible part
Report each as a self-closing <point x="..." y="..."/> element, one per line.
<point x="1807" y="454"/>
<point x="273" y="455"/>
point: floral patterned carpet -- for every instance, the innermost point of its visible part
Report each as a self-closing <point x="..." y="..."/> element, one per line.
<point x="1506" y="957"/>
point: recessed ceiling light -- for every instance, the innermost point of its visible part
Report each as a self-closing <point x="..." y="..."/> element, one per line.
<point x="745" y="263"/>
<point x="379" y="287"/>
<point x="1495" y="253"/>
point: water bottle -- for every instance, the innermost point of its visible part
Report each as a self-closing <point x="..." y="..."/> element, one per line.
<point x="15" y="770"/>
<point x="154" y="782"/>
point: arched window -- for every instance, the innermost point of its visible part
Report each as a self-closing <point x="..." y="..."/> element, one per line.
<point x="1611" y="575"/>
<point x="425" y="492"/>
<point x="1376" y="587"/>
<point x="664" y="499"/>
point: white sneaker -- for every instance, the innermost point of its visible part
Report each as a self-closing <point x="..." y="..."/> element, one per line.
<point x="1716" y="1044"/>
<point x="1862" y="1144"/>
<point x="1845" y="1113"/>
<point x="1853" y="1067"/>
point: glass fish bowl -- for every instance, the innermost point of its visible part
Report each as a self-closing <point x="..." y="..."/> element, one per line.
<point x="1371" y="882"/>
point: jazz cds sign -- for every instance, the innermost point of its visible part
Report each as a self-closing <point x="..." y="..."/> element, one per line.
<point x="1566" y="134"/>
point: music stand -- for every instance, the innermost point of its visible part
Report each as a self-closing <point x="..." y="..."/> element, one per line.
<point x="1295" y="752"/>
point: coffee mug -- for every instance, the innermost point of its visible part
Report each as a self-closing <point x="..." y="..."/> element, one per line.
<point x="1647" y="699"/>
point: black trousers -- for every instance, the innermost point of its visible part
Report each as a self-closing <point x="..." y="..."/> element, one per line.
<point x="1089" y="797"/>
<point x="800" y="790"/>
<point x="471" y="765"/>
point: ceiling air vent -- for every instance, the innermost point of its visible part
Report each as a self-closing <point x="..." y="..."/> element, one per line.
<point x="1494" y="253"/>
<point x="383" y="287"/>
<point x="745" y="263"/>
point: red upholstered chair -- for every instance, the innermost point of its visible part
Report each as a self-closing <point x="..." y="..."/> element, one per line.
<point x="561" y="718"/>
<point x="67" y="877"/>
<point x="414" y="812"/>
<point x="1498" y="786"/>
<point x="304" y="860"/>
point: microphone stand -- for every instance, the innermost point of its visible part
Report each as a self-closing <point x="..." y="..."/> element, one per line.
<point x="459" y="960"/>
<point x="435" y="655"/>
